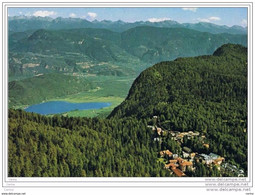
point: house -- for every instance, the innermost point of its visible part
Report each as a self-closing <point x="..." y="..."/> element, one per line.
<point x="180" y="135"/>
<point x="186" y="165"/>
<point x="180" y="160"/>
<point x="171" y="165"/>
<point x="207" y="159"/>
<point x="214" y="156"/>
<point x="185" y="154"/>
<point x="241" y="171"/>
<point x="184" y="133"/>
<point x="192" y="155"/>
<point x="186" y="149"/>
<point x="167" y="166"/>
<point x="177" y="133"/>
<point x="173" y="161"/>
<point x="159" y="130"/>
<point x="168" y="153"/>
<point x="196" y="134"/>
<point x="157" y="139"/>
<point x="218" y="161"/>
<point x="178" y="172"/>
<point x="165" y="153"/>
<point x="206" y="145"/>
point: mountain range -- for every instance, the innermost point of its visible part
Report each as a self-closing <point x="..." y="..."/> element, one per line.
<point x="105" y="52"/>
<point x="24" y="23"/>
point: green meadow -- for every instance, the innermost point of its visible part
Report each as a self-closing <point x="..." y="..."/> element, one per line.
<point x="106" y="89"/>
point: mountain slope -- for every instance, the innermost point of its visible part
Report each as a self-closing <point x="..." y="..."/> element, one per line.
<point x="152" y="44"/>
<point x="92" y="51"/>
<point x="45" y="41"/>
<point x="206" y="94"/>
<point x="203" y="79"/>
<point x="98" y="51"/>
<point x="44" y="87"/>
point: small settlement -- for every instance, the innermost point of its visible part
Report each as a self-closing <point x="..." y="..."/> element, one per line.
<point x="179" y="164"/>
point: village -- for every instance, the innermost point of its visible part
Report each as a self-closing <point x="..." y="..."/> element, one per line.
<point x="184" y="162"/>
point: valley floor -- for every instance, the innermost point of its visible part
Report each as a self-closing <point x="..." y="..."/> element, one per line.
<point x="112" y="89"/>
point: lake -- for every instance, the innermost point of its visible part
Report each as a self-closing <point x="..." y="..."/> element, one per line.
<point x="56" y="107"/>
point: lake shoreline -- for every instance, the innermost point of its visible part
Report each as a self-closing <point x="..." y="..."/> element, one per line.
<point x="59" y="107"/>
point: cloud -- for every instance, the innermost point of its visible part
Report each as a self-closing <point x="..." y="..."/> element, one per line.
<point x="92" y="15"/>
<point x="158" y="19"/>
<point x="214" y="18"/>
<point x="193" y="9"/>
<point x="210" y="19"/>
<point x="43" y="13"/>
<point x="72" y="15"/>
<point x="203" y="20"/>
<point x="244" y="23"/>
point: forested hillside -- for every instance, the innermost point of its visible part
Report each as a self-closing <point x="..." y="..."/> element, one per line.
<point x="44" y="87"/>
<point x="207" y="94"/>
<point x="78" y="147"/>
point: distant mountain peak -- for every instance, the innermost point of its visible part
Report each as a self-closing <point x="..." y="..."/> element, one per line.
<point x="23" y="23"/>
<point x="120" y="21"/>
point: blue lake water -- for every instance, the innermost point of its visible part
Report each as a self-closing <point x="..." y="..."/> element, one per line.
<point x="56" y="107"/>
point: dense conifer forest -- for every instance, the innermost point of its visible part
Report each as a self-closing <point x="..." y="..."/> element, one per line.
<point x="207" y="94"/>
<point x="63" y="147"/>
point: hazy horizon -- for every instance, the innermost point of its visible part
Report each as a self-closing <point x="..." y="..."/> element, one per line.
<point x="219" y="16"/>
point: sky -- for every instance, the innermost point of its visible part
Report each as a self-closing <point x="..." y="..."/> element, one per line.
<point x="221" y="16"/>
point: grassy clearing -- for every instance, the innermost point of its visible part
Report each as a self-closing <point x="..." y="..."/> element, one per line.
<point x="105" y="89"/>
<point x="87" y="97"/>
